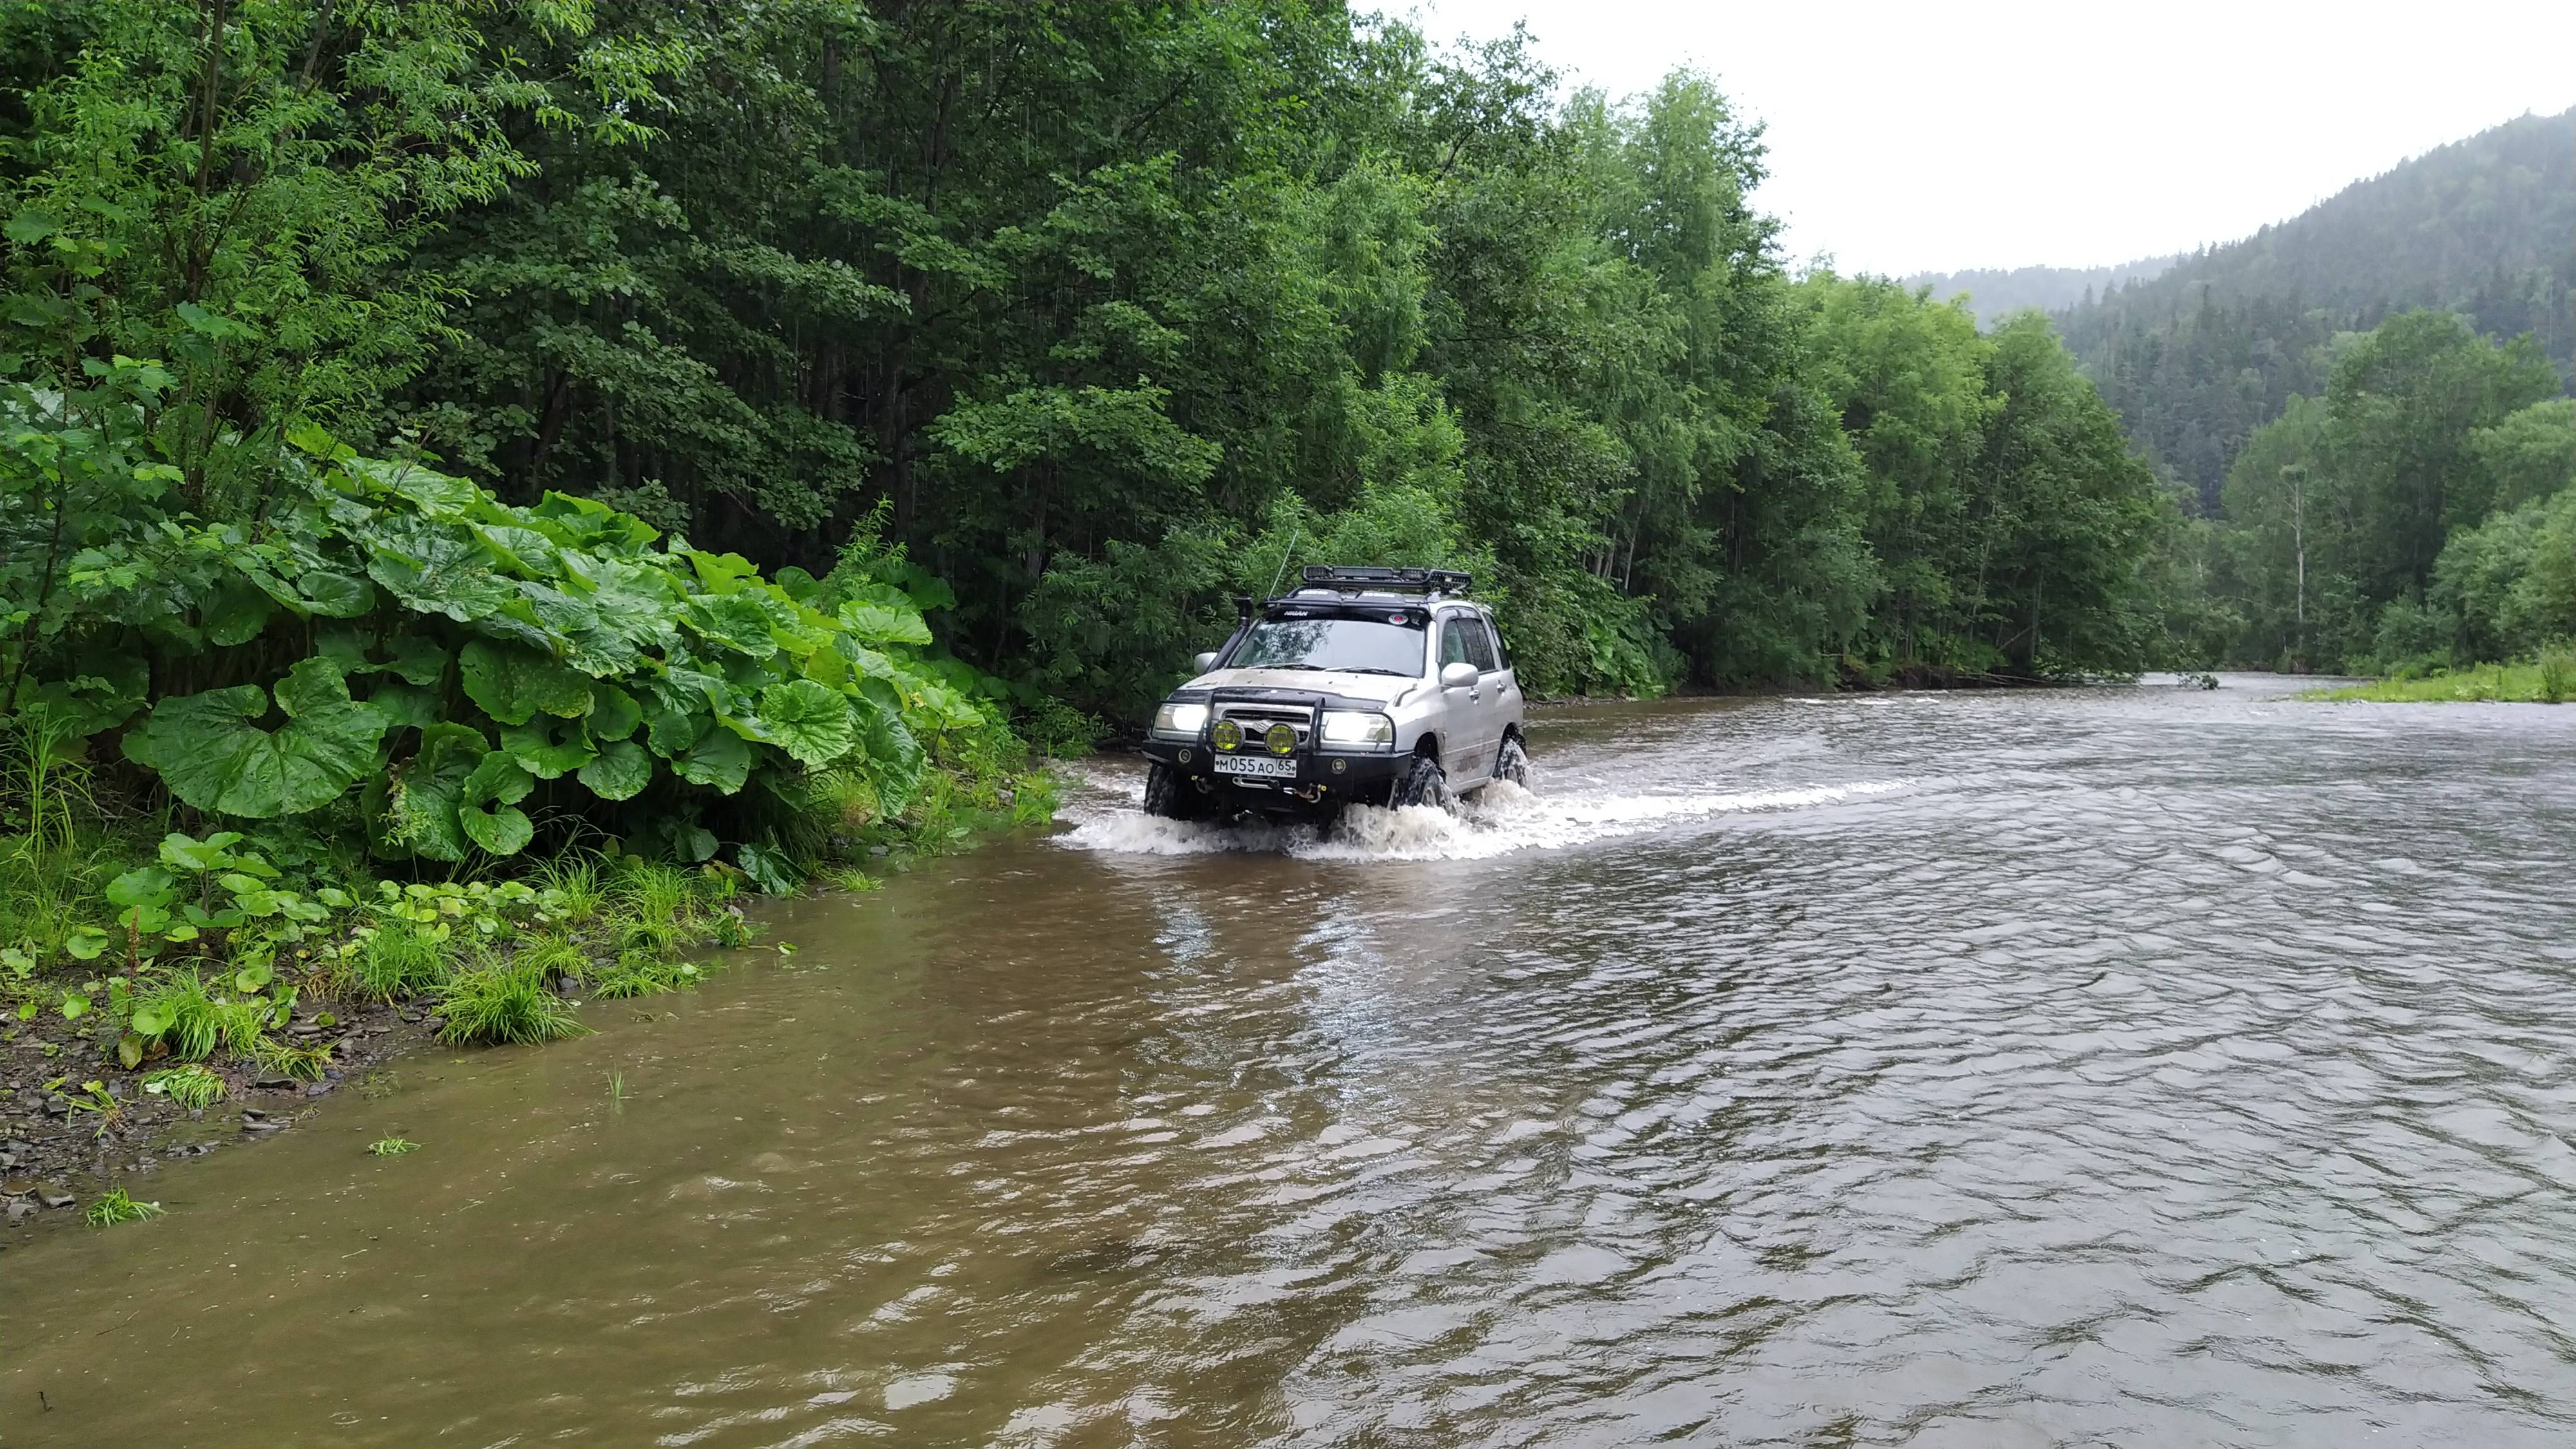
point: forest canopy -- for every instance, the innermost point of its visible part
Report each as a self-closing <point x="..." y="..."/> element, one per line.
<point x="1103" y="312"/>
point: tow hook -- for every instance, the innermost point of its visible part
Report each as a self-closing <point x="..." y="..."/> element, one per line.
<point x="1308" y="793"/>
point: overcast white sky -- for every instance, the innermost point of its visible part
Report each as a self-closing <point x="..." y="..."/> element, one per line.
<point x="1934" y="137"/>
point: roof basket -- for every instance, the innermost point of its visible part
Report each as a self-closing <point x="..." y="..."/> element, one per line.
<point x="1392" y="580"/>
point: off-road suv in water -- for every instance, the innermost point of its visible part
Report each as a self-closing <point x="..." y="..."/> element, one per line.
<point x="1377" y="686"/>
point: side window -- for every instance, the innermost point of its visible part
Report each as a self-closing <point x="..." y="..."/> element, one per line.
<point x="1458" y="641"/>
<point x="1502" y="656"/>
<point x="1480" y="644"/>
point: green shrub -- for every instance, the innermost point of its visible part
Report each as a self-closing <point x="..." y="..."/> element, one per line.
<point x="499" y="1003"/>
<point x="459" y="668"/>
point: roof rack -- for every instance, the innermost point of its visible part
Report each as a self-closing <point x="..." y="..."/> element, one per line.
<point x="1392" y="580"/>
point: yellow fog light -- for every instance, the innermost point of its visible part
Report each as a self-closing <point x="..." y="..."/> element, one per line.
<point x="1228" y="735"/>
<point x="1281" y="739"/>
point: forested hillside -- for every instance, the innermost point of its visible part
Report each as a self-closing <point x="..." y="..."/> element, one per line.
<point x="1996" y="293"/>
<point x="2212" y="349"/>
<point x="1097" y="312"/>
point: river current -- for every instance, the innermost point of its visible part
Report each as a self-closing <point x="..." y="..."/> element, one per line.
<point x="2120" y="1066"/>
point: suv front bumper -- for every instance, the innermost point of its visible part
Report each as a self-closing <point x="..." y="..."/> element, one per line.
<point x="1321" y="776"/>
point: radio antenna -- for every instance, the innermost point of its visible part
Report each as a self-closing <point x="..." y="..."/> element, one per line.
<point x="1282" y="571"/>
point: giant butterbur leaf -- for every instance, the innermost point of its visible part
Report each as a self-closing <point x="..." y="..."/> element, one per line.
<point x="425" y="793"/>
<point x="237" y="612"/>
<point x="720" y="758"/>
<point x="514" y="684"/>
<point x="808" y="721"/>
<point x="737" y="621"/>
<point x="621" y="772"/>
<point x="211" y="753"/>
<point x="614" y="714"/>
<point x="435" y="570"/>
<point x="895" y="757"/>
<point x="548" y="748"/>
<point x="488" y="806"/>
<point x="874" y="623"/>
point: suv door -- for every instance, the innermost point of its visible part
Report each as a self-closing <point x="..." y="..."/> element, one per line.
<point x="1468" y="732"/>
<point x="1502" y="704"/>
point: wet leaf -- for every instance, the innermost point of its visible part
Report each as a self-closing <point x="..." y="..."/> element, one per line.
<point x="808" y="721"/>
<point x="514" y="684"/>
<point x="548" y="748"/>
<point x="621" y="772"/>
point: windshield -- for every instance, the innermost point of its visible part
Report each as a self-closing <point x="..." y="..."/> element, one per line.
<point x="1362" y="646"/>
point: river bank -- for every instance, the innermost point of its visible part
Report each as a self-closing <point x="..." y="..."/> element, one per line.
<point x="2542" y="681"/>
<point x="79" y="1124"/>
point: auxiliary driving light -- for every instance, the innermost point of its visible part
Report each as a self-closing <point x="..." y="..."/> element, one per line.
<point x="1228" y="735"/>
<point x="1281" y="739"/>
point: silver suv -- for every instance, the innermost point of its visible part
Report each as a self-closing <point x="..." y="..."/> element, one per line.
<point x="1377" y="686"/>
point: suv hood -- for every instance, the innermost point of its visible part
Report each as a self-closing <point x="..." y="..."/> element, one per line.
<point x="1383" y="688"/>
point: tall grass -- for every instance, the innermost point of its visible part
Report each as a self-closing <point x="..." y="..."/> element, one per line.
<point x="399" y="960"/>
<point x="2557" y="674"/>
<point x="504" y="1002"/>
<point x="55" y="849"/>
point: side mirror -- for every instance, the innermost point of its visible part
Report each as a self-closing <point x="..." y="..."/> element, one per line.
<point x="1204" y="662"/>
<point x="1461" y="675"/>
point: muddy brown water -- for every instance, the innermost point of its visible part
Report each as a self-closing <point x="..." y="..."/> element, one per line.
<point x="2115" y="1067"/>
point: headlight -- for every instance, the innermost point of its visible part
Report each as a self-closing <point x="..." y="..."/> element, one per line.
<point x="1180" y="720"/>
<point x="1354" y="730"/>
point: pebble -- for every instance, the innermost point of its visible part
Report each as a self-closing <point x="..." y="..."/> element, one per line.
<point x="318" y="1089"/>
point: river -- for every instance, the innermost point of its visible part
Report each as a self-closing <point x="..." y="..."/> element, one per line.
<point x="2138" y="1066"/>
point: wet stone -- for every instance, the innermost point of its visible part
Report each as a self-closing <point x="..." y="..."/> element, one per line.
<point x="17" y="1208"/>
<point x="53" y="1196"/>
<point x="15" y="1187"/>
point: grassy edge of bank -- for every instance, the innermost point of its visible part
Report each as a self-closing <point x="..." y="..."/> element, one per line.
<point x="2550" y="680"/>
<point x="490" y="961"/>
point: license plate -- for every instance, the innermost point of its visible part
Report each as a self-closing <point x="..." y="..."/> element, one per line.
<point x="1266" y="767"/>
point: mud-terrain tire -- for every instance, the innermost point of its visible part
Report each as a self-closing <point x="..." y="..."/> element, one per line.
<point x="1512" y="762"/>
<point x="1425" y="783"/>
<point x="1169" y="796"/>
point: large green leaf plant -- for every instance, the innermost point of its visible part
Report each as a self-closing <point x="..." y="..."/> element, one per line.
<point x="388" y="640"/>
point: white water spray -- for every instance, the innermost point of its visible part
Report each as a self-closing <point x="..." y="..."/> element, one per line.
<point x="1498" y="820"/>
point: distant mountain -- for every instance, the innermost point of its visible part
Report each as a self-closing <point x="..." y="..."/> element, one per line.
<point x="2212" y="348"/>
<point x="1991" y="293"/>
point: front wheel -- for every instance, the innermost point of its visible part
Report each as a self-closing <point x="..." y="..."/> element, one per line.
<point x="1424" y="783"/>
<point x="1513" y="762"/>
<point x="1170" y="796"/>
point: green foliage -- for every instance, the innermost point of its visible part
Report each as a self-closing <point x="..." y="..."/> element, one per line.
<point x="397" y="960"/>
<point x="115" y="1207"/>
<point x="391" y="1147"/>
<point x="504" y="1002"/>
<point x="192" y="1087"/>
<point x="2392" y="519"/>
